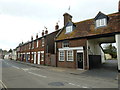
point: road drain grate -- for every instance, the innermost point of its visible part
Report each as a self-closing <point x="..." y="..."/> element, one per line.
<point x="56" y="84"/>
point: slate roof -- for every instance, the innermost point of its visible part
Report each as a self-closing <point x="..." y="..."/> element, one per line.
<point x="87" y="28"/>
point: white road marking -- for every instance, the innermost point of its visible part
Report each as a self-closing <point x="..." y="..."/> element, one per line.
<point x="24" y="69"/>
<point x="77" y="85"/>
<point x="11" y="65"/>
<point x="84" y="87"/>
<point x="4" y="86"/>
<point x="71" y="84"/>
<point x="38" y="75"/>
<point x="15" y="67"/>
<point x="34" y="69"/>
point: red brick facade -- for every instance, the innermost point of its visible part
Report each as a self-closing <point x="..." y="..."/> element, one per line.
<point x="77" y="40"/>
<point x="81" y="33"/>
<point x="38" y="51"/>
<point x="72" y="44"/>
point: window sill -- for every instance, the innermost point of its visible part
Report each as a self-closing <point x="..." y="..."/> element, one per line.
<point x="100" y="27"/>
<point x="61" y="61"/>
<point x="68" y="32"/>
<point x="71" y="61"/>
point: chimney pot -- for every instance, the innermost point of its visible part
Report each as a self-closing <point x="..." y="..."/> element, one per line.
<point x="31" y="38"/>
<point x="37" y="36"/>
<point x="46" y="31"/>
<point x="57" y="26"/>
<point x="42" y="32"/>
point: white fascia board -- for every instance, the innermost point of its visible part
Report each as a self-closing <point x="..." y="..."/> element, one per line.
<point x="72" y="48"/>
<point x="42" y="51"/>
<point x="38" y="52"/>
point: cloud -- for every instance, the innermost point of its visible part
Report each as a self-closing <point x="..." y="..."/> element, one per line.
<point x="19" y="19"/>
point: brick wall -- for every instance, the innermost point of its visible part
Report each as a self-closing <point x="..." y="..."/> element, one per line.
<point x="73" y="43"/>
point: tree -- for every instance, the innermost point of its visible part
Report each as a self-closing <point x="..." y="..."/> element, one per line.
<point x="10" y="51"/>
<point x="110" y="49"/>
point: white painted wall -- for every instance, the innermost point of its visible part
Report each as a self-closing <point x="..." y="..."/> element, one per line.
<point x="14" y="55"/>
<point x="117" y="38"/>
<point x="6" y="57"/>
<point x="102" y="56"/>
<point x="95" y="49"/>
<point x="34" y="57"/>
<point x="38" y="57"/>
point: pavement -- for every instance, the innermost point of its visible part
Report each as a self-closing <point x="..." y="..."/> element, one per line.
<point x="26" y="75"/>
<point x="59" y="69"/>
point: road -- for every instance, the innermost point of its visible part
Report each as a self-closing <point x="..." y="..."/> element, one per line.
<point x="17" y="75"/>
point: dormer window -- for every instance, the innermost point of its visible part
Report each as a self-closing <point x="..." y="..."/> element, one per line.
<point x="101" y="22"/>
<point x="69" y="29"/>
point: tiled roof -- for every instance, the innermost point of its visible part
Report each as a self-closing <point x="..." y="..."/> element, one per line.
<point x="87" y="28"/>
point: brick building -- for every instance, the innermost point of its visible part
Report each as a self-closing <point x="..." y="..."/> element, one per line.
<point x="36" y="51"/>
<point x="78" y="44"/>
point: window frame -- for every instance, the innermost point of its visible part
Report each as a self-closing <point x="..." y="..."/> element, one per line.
<point x="42" y="56"/>
<point x="71" y="54"/>
<point x="43" y="42"/>
<point x="29" y="45"/>
<point x="69" y="29"/>
<point x="63" y="55"/>
<point x="65" y="44"/>
<point x="101" y="22"/>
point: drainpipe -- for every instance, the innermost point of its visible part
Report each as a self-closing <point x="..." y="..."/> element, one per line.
<point x="55" y="52"/>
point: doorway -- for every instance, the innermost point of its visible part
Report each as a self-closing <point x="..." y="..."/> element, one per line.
<point x="80" y="60"/>
<point x="26" y="57"/>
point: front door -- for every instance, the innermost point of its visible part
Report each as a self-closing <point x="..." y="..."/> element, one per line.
<point x="80" y="60"/>
<point x="26" y="57"/>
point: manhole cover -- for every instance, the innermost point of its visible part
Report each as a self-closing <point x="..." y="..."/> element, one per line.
<point x="74" y="73"/>
<point x="56" y="84"/>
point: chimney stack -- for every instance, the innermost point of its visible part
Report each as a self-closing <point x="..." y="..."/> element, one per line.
<point x="119" y="6"/>
<point x="31" y="38"/>
<point x="56" y="27"/>
<point x="37" y="36"/>
<point x="42" y="32"/>
<point x="67" y="17"/>
<point x="46" y="31"/>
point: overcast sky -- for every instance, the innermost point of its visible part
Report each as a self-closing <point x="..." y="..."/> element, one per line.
<point x="19" y="19"/>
